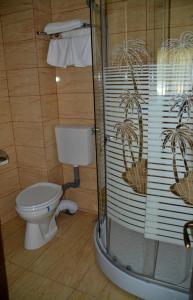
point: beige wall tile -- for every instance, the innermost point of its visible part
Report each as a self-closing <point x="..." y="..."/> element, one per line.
<point x="42" y="5"/>
<point x="55" y="175"/>
<point x="23" y="82"/>
<point x="86" y="199"/>
<point x="3" y="84"/>
<point x="5" y="114"/>
<point x="28" y="176"/>
<point x="51" y="157"/>
<point x="26" y="108"/>
<point x="11" y="6"/>
<point x="74" y="106"/>
<point x="66" y="5"/>
<point x="116" y="40"/>
<point x="1" y="36"/>
<point x="82" y="14"/>
<point x="31" y="158"/>
<point x="9" y="182"/>
<point x="18" y="26"/>
<point x="181" y="12"/>
<point x="157" y="15"/>
<point x="131" y="3"/>
<point x="2" y="58"/>
<point x="21" y="55"/>
<point x="175" y="32"/>
<point x="118" y="20"/>
<point x="154" y="40"/>
<point x="49" y="107"/>
<point x="47" y="79"/>
<point x="74" y="80"/>
<point x="28" y="134"/>
<point x="41" y="18"/>
<point x="49" y="132"/>
<point x="7" y="206"/>
<point x="88" y="179"/>
<point x="12" y="160"/>
<point x="42" y="50"/>
<point x="6" y="135"/>
<point x="68" y="174"/>
<point x="77" y="121"/>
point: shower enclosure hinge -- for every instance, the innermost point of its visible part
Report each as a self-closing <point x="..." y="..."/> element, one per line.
<point x="94" y="130"/>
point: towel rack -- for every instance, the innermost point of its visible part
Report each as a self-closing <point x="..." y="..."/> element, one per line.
<point x="85" y="25"/>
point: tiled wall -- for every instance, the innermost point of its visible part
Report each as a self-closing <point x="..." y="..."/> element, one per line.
<point x="148" y="20"/>
<point x="29" y="101"/>
<point x="9" y="178"/>
<point x="32" y="104"/>
<point x="75" y="103"/>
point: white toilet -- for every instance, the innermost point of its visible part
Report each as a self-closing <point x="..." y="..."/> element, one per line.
<point x="39" y="204"/>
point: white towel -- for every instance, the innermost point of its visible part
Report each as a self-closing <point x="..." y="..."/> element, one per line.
<point x="74" y="49"/>
<point x="58" y="27"/>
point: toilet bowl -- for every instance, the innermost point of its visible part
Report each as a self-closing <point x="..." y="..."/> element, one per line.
<point x="37" y="205"/>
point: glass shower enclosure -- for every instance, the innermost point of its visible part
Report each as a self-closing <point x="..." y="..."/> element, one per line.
<point x="143" y="88"/>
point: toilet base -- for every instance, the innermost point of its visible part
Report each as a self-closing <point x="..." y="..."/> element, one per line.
<point x="36" y="238"/>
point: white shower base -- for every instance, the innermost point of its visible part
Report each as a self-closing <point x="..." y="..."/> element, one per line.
<point x="138" y="285"/>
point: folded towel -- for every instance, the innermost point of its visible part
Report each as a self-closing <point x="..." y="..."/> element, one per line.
<point x="74" y="49"/>
<point x="57" y="27"/>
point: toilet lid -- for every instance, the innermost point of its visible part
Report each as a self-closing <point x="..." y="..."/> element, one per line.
<point x="38" y="195"/>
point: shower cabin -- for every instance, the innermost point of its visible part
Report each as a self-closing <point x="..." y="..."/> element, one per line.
<point x="143" y="88"/>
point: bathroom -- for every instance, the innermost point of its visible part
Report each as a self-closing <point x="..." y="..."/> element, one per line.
<point x="126" y="241"/>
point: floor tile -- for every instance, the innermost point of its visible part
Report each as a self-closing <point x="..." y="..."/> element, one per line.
<point x="112" y="292"/>
<point x="93" y="282"/>
<point x="15" y="240"/>
<point x="25" y="258"/>
<point x="65" y="268"/>
<point x="31" y="286"/>
<point x="13" y="273"/>
<point x="74" y="264"/>
<point x="60" y="251"/>
<point x="11" y="227"/>
<point x="81" y="296"/>
<point x="78" y="227"/>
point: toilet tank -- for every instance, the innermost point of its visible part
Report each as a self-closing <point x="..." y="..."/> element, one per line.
<point x="75" y="144"/>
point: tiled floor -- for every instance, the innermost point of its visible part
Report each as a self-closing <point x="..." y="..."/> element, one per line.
<point x="65" y="268"/>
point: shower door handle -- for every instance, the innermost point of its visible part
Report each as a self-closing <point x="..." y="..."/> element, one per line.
<point x="187" y="242"/>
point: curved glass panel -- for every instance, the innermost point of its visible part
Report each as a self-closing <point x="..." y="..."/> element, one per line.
<point x="143" y="78"/>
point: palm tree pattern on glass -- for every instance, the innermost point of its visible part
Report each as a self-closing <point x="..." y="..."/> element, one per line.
<point x="127" y="132"/>
<point x="178" y="54"/>
<point x="181" y="137"/>
<point x="130" y="53"/>
<point x="178" y="50"/>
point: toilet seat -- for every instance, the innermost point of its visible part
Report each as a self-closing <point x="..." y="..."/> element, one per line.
<point x="38" y="196"/>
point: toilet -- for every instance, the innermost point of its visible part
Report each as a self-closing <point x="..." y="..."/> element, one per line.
<point x="39" y="204"/>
